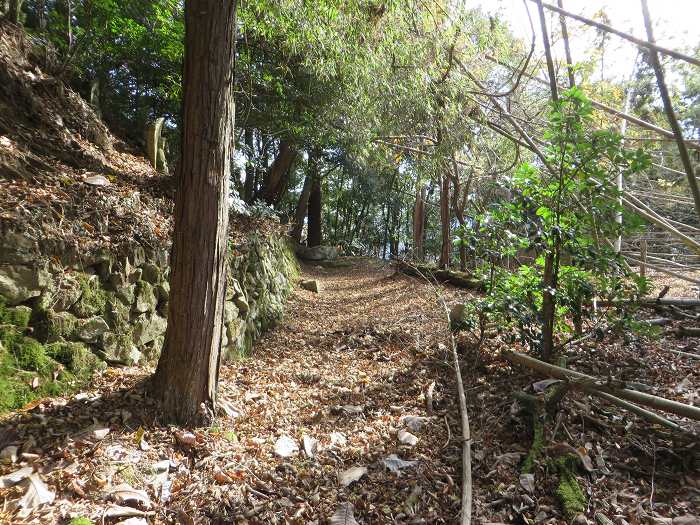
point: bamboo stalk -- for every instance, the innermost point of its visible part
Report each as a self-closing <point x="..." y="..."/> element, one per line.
<point x="664" y="270"/>
<point x="567" y="48"/>
<point x="608" y="109"/>
<point x="652" y="216"/>
<point x="668" y="108"/>
<point x="650" y="44"/>
<point x="579" y="379"/>
<point x="646" y="414"/>
<point x="466" y="510"/>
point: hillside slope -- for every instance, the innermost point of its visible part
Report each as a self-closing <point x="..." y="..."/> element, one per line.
<point x="63" y="175"/>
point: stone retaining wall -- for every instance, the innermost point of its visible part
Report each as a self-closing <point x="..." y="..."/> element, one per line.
<point x="116" y="304"/>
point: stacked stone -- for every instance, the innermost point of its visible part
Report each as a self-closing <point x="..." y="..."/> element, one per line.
<point x="117" y="304"/>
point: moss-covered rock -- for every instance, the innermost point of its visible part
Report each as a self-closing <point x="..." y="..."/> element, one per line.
<point x="117" y="315"/>
<point x="67" y="292"/>
<point x="30" y="370"/>
<point x="124" y="290"/>
<point x="31" y="355"/>
<point x="18" y="283"/>
<point x="60" y="325"/>
<point x="150" y="273"/>
<point x="76" y="357"/>
<point x="120" y="348"/>
<point x="147" y="328"/>
<point x="18" y="316"/>
<point x="90" y="330"/>
<point x="146" y="300"/>
<point x="93" y="298"/>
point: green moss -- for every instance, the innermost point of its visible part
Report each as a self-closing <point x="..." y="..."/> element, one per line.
<point x="569" y="492"/>
<point x="61" y="325"/>
<point x="18" y="316"/>
<point x="80" y="521"/>
<point x="76" y="357"/>
<point x="23" y="360"/>
<point x="31" y="355"/>
<point x="13" y="393"/>
<point x="537" y="445"/>
<point x="93" y="298"/>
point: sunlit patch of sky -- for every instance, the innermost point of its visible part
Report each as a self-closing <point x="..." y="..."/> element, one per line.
<point x="676" y="26"/>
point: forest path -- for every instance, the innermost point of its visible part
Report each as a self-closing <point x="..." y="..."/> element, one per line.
<point x="342" y="368"/>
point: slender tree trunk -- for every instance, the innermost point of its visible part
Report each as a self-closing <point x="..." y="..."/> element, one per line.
<point x="277" y="174"/>
<point x="41" y="8"/>
<point x="188" y="368"/>
<point x="249" y="184"/>
<point x="419" y="221"/>
<point x="549" y="303"/>
<point x="315" y="234"/>
<point x="445" y="221"/>
<point x="262" y="167"/>
<point x="14" y="11"/>
<point x="303" y="204"/>
<point x="385" y="221"/>
<point x="670" y="114"/>
<point x="69" y="24"/>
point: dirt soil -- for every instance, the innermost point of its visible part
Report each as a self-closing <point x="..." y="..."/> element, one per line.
<point x="315" y="426"/>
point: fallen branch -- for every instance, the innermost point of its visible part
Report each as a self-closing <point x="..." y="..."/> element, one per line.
<point x="424" y="271"/>
<point x="686" y="331"/>
<point x="466" y="512"/>
<point x="685" y="354"/>
<point x="594" y="385"/>
<point x="671" y="301"/>
<point x="641" y="412"/>
<point x="466" y="507"/>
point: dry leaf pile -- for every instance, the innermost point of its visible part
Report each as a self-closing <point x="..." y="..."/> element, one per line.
<point x="314" y="428"/>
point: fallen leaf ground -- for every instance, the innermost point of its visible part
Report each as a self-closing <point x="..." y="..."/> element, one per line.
<point x="313" y="425"/>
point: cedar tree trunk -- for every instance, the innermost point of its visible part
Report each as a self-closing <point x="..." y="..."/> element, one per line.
<point x="188" y="368"/>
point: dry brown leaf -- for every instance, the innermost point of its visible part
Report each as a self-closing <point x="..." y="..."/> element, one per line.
<point x="37" y="494"/>
<point x="344" y="515"/>
<point x="351" y="475"/>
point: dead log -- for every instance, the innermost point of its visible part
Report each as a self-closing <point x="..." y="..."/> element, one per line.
<point x="686" y="331"/>
<point x="425" y="271"/>
<point x="593" y="385"/>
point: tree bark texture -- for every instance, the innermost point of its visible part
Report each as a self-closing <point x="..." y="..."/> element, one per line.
<point x="249" y="184"/>
<point x="419" y="221"/>
<point x="303" y="204"/>
<point x="445" y="221"/>
<point x="187" y="374"/>
<point x="315" y="234"/>
<point x="14" y="11"/>
<point x="548" y="306"/>
<point x="277" y="174"/>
